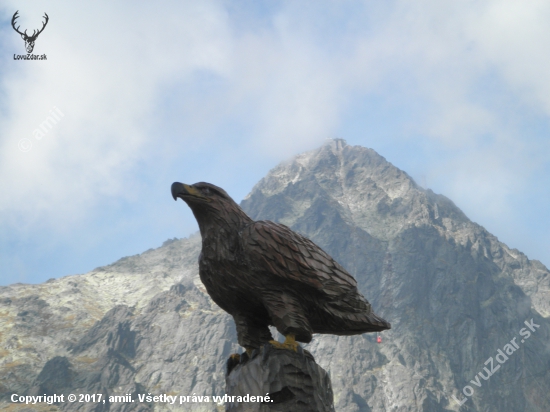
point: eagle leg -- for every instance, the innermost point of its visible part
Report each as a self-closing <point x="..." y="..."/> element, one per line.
<point x="233" y="361"/>
<point x="250" y="334"/>
<point x="289" y="343"/>
<point x="236" y="357"/>
<point x="287" y="314"/>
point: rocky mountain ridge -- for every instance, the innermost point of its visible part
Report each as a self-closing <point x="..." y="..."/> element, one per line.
<point x="453" y="293"/>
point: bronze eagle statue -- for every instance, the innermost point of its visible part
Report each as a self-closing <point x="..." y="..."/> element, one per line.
<point x="262" y="273"/>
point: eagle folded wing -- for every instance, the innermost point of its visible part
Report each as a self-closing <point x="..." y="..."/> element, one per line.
<point x="282" y="253"/>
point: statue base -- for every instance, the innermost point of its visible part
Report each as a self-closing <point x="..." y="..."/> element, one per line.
<point x="293" y="382"/>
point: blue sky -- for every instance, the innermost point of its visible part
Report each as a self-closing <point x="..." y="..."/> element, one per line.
<point x="457" y="94"/>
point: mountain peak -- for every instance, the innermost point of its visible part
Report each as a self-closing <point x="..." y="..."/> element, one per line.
<point x="359" y="187"/>
<point x="371" y="192"/>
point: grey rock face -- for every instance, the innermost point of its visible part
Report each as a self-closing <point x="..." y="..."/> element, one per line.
<point x="453" y="293"/>
<point x="294" y="382"/>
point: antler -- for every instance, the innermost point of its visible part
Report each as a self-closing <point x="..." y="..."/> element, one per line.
<point x="35" y="35"/>
<point x="15" y="16"/>
<point x="43" y="26"/>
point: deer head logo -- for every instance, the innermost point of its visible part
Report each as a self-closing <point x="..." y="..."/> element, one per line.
<point x="29" y="40"/>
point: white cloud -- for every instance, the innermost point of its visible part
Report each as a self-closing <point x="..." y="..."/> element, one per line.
<point x="106" y="87"/>
<point x="514" y="37"/>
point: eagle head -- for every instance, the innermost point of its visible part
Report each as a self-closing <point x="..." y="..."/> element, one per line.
<point x="210" y="204"/>
<point x="198" y="193"/>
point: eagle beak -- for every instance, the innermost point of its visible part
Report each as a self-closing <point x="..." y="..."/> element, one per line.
<point x="182" y="190"/>
<point x="178" y="190"/>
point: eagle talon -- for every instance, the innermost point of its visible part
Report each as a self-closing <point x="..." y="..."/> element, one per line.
<point x="232" y="362"/>
<point x="289" y="343"/>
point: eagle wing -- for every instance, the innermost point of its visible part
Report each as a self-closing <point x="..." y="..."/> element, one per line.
<point x="276" y="249"/>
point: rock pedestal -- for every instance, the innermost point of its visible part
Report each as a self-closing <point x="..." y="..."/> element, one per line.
<point x="293" y="382"/>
